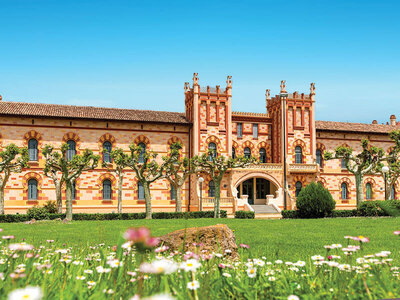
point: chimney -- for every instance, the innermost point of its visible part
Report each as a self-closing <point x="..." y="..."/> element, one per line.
<point x="393" y="120"/>
<point x="374" y="122"/>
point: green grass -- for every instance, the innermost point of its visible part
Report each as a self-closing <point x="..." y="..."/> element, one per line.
<point x="283" y="239"/>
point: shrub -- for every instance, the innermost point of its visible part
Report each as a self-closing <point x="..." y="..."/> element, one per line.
<point x="290" y="214"/>
<point x="37" y="213"/>
<point x="344" y="213"/>
<point x="40" y="213"/>
<point x="390" y="207"/>
<point x="242" y="214"/>
<point x="370" y="209"/>
<point x="51" y="207"/>
<point x="314" y="201"/>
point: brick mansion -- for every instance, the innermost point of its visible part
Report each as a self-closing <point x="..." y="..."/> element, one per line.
<point x="286" y="138"/>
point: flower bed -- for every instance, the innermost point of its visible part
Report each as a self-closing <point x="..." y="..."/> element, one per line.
<point x="138" y="267"/>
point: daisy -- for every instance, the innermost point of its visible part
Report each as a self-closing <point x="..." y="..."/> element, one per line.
<point x="190" y="265"/>
<point x="251" y="272"/>
<point x="80" y="277"/>
<point x="293" y="297"/>
<point x="193" y="285"/>
<point x="27" y="293"/>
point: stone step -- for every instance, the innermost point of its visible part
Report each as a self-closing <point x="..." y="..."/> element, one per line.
<point x="264" y="209"/>
<point x="268" y="216"/>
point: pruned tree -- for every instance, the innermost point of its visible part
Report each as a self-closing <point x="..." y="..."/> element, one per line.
<point x="70" y="169"/>
<point x="393" y="162"/>
<point x="56" y="176"/>
<point x="216" y="166"/>
<point x="147" y="170"/>
<point x="177" y="172"/>
<point x="13" y="160"/>
<point x="121" y="161"/>
<point x="359" y="164"/>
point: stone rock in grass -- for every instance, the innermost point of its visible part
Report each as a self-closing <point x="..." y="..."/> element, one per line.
<point x="203" y="240"/>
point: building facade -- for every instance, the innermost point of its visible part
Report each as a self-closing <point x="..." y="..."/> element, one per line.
<point x="286" y="139"/>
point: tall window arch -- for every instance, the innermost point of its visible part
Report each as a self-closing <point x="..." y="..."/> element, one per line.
<point x="233" y="152"/>
<point x="368" y="191"/>
<point x="344" y="192"/>
<point x="247" y="152"/>
<point x="263" y="155"/>
<point x="318" y="155"/>
<point x="211" y="189"/>
<point x="298" y="159"/>
<point x="298" y="187"/>
<point x="142" y="152"/>
<point x="107" y="148"/>
<point x="71" y="150"/>
<point x="212" y="147"/>
<point x="393" y="192"/>
<point x="173" y="193"/>
<point x="32" y="189"/>
<point x="33" y="149"/>
<point x="107" y="189"/>
<point x="140" y="191"/>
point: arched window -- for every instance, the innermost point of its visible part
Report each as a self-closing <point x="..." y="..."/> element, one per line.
<point x="298" y="187"/>
<point x="173" y="193"/>
<point x="368" y="191"/>
<point x="393" y="192"/>
<point x="140" y="191"/>
<point x="344" y="190"/>
<point x="211" y="189"/>
<point x="247" y="152"/>
<point x="343" y="164"/>
<point x="33" y="149"/>
<point x="263" y="156"/>
<point x="73" y="190"/>
<point x="212" y="150"/>
<point x="233" y="152"/>
<point x="318" y="155"/>
<point x="298" y="159"/>
<point x="107" y="148"/>
<point x="32" y="189"/>
<point x="71" y="150"/>
<point x="107" y="189"/>
<point x="141" y="155"/>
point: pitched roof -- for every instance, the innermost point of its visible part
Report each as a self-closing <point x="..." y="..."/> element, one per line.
<point x="354" y="127"/>
<point x="89" y="112"/>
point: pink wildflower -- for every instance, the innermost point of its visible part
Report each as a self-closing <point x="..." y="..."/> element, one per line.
<point x="244" y="246"/>
<point x="141" y="237"/>
<point x="397" y="232"/>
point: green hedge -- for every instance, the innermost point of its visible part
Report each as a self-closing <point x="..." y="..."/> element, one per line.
<point x="377" y="208"/>
<point x="242" y="214"/>
<point x="110" y="216"/>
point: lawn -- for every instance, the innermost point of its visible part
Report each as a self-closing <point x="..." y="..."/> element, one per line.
<point x="283" y="239"/>
<point x="282" y="263"/>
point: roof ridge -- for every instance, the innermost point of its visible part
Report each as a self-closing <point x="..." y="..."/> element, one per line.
<point x="89" y="106"/>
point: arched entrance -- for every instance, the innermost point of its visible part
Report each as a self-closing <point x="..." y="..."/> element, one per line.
<point x="256" y="188"/>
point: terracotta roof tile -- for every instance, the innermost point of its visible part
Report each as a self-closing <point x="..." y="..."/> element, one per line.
<point x="354" y="127"/>
<point x="89" y="112"/>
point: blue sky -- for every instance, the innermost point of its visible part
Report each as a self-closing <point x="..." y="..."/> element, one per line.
<point x="138" y="54"/>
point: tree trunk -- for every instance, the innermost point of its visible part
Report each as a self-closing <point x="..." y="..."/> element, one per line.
<point x="68" y="204"/>
<point x="120" y="182"/>
<point x="178" y="198"/>
<point x="58" y="197"/>
<point x="359" y="188"/>
<point x="388" y="191"/>
<point x="147" y="197"/>
<point x="2" y="200"/>
<point x="217" y="197"/>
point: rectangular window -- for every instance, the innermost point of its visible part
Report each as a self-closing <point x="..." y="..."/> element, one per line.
<point x="255" y="131"/>
<point x="239" y="130"/>
<point x="343" y="164"/>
